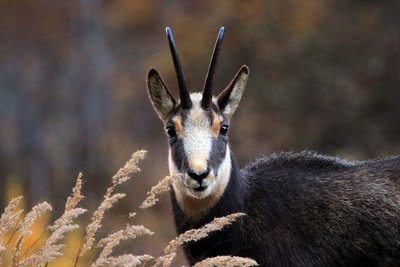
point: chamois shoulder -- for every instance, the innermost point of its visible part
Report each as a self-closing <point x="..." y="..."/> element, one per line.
<point x="298" y="160"/>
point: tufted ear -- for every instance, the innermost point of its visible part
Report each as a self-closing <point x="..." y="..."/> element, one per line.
<point x="162" y="100"/>
<point x="228" y="100"/>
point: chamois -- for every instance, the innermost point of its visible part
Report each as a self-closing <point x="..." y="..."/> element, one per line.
<point x="303" y="209"/>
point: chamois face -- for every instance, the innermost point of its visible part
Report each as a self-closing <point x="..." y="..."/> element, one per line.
<point x="197" y="128"/>
<point x="198" y="148"/>
<point x="198" y="136"/>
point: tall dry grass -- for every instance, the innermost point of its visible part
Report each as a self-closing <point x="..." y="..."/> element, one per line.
<point x="16" y="229"/>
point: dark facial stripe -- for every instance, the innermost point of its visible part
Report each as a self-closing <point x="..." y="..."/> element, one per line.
<point x="178" y="153"/>
<point x="218" y="152"/>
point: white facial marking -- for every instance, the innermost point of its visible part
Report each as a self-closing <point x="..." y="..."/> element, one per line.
<point x="171" y="165"/>
<point x="224" y="172"/>
<point x="197" y="139"/>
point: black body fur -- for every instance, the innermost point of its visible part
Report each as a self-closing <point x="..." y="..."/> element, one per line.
<point x="305" y="209"/>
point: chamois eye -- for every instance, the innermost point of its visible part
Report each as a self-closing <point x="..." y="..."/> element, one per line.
<point x="224" y="129"/>
<point x="171" y="132"/>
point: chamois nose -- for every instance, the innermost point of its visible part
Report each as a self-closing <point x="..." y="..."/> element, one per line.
<point x="198" y="176"/>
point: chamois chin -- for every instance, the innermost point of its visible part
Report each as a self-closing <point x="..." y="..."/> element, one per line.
<point x="303" y="209"/>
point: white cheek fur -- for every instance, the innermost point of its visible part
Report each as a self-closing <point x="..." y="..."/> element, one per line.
<point x="224" y="171"/>
<point x="171" y="165"/>
<point x="193" y="203"/>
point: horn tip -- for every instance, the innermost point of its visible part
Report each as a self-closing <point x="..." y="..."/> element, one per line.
<point x="221" y="32"/>
<point x="168" y="30"/>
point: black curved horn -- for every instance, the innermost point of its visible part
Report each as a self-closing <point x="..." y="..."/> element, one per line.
<point x="184" y="95"/>
<point x="207" y="90"/>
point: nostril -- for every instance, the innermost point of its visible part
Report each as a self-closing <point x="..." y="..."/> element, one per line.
<point x="198" y="176"/>
<point x="205" y="174"/>
<point x="194" y="176"/>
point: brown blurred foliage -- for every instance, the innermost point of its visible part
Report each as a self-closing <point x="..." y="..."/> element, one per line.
<point x="325" y="75"/>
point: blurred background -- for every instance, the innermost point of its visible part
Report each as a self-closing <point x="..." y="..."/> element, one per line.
<point x="325" y="76"/>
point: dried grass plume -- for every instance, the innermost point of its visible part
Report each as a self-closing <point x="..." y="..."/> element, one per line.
<point x="52" y="248"/>
<point x="226" y="261"/>
<point x="194" y="235"/>
<point x="123" y="175"/>
<point x="161" y="187"/>
<point x="111" y="241"/>
<point x="18" y="228"/>
<point x="24" y="229"/>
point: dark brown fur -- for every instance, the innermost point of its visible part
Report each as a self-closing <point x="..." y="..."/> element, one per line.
<point x="305" y="209"/>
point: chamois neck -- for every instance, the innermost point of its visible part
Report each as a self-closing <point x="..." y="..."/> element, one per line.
<point x="227" y="201"/>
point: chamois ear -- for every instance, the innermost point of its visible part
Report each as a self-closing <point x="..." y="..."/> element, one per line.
<point x="228" y="100"/>
<point x="162" y="100"/>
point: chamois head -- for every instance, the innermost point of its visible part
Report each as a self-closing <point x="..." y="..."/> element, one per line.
<point x="197" y="127"/>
